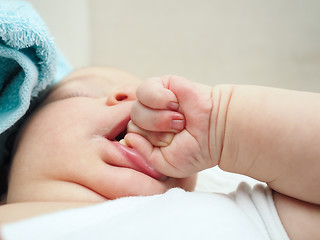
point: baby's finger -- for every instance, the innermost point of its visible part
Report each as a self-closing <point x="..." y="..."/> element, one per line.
<point x="157" y="139"/>
<point x="152" y="154"/>
<point x="154" y="93"/>
<point x="156" y="120"/>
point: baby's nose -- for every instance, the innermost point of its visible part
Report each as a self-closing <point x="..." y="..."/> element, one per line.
<point x="120" y="95"/>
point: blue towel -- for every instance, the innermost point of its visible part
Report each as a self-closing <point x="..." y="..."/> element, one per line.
<point x="29" y="63"/>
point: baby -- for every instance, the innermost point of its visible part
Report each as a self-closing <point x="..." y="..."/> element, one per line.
<point x="70" y="152"/>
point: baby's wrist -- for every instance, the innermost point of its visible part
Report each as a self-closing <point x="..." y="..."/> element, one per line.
<point x="221" y="96"/>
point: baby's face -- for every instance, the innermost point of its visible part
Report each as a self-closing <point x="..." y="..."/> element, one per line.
<point x="68" y="150"/>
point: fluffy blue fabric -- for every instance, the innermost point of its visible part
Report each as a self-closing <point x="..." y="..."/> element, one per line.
<point x="29" y="63"/>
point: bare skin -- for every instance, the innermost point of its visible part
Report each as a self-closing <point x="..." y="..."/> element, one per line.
<point x="67" y="154"/>
<point x="18" y="211"/>
<point x="272" y="135"/>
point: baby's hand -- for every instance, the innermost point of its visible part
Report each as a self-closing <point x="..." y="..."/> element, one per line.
<point x="170" y="126"/>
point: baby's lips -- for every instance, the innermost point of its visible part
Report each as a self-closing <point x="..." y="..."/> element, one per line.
<point x="167" y="138"/>
<point x="139" y="161"/>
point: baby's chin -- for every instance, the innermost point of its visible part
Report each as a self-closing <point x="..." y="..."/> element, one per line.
<point x="65" y="191"/>
<point x="89" y="195"/>
<point x="52" y="191"/>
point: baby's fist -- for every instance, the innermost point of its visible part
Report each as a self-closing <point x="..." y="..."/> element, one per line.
<point x="172" y="119"/>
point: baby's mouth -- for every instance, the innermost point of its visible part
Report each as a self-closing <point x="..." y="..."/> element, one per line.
<point x="118" y="131"/>
<point x="121" y="136"/>
<point x="135" y="159"/>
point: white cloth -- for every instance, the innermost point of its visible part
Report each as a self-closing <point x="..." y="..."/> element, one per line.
<point x="244" y="214"/>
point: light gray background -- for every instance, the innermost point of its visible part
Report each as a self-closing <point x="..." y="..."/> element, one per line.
<point x="274" y="43"/>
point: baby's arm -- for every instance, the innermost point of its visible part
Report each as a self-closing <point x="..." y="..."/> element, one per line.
<point x="269" y="134"/>
<point x="273" y="135"/>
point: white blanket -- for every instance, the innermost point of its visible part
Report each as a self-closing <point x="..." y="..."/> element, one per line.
<point x="244" y="214"/>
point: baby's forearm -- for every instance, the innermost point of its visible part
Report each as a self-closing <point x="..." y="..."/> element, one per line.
<point x="269" y="134"/>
